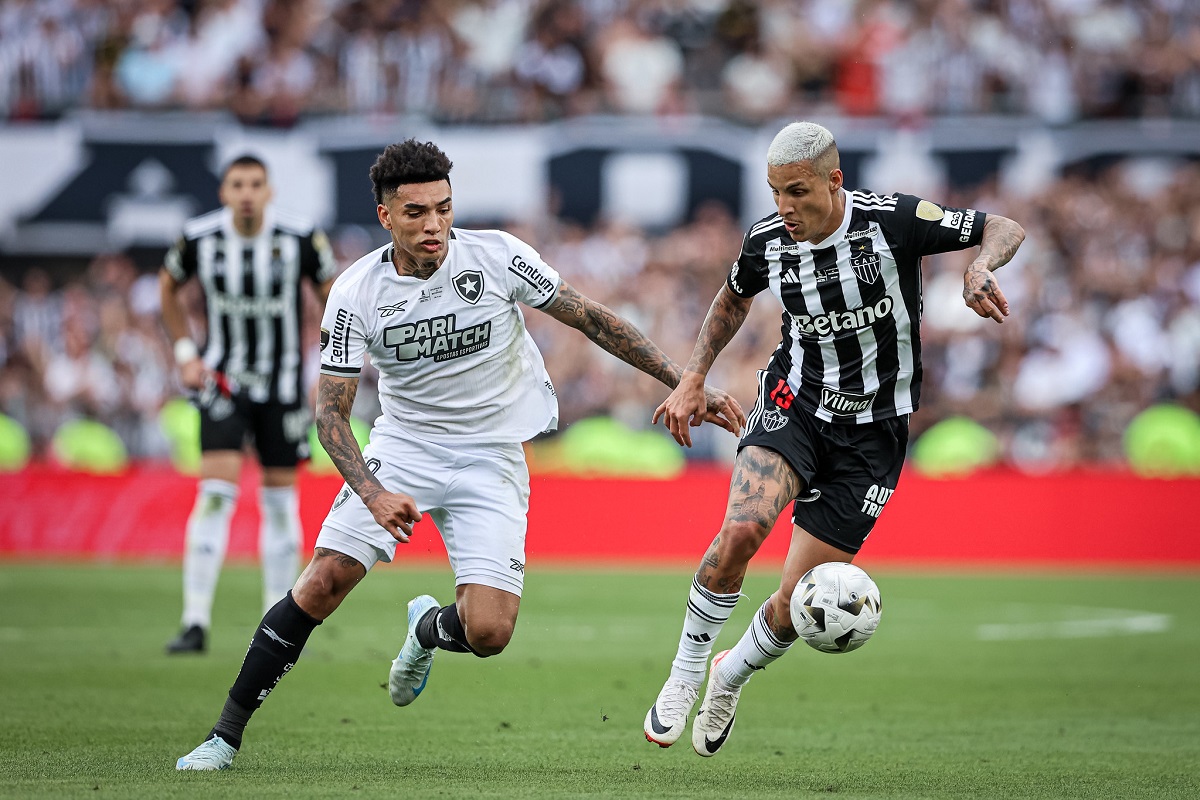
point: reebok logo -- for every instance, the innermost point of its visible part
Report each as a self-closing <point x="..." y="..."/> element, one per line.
<point x="387" y="311"/>
<point x="275" y="636"/>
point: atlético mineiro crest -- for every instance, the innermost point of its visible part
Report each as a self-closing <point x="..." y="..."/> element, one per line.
<point x="864" y="261"/>
<point x="773" y="420"/>
<point x="468" y="284"/>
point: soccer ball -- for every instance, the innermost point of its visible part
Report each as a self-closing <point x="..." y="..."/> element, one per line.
<point x="836" y="607"/>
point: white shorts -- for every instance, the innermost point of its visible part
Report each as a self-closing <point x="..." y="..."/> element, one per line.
<point x="477" y="495"/>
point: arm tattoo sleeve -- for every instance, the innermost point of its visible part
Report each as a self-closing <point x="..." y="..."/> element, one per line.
<point x="725" y="316"/>
<point x="335" y="398"/>
<point x="613" y="333"/>
<point x="1001" y="238"/>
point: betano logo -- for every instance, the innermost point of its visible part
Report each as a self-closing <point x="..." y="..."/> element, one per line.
<point x="838" y="321"/>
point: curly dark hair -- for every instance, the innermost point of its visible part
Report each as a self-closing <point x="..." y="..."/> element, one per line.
<point x="409" y="161"/>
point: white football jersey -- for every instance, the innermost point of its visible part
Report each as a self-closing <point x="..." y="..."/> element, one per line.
<point x="455" y="361"/>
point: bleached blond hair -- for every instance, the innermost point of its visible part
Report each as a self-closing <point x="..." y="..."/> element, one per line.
<point x="804" y="141"/>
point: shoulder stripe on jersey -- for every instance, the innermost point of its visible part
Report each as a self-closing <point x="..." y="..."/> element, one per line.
<point x="766" y="225"/>
<point x="874" y="202"/>
<point x="292" y="223"/>
<point x="326" y="369"/>
<point x="203" y="224"/>
<point x="872" y="197"/>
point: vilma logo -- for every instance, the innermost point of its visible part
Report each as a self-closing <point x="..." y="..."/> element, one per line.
<point x="469" y="285"/>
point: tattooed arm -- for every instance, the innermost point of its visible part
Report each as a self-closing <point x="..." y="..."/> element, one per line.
<point x="1001" y="238"/>
<point x="394" y="511"/>
<point x="620" y="337"/>
<point x="681" y="409"/>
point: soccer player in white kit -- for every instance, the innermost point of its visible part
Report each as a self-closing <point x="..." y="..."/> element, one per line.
<point x="461" y="385"/>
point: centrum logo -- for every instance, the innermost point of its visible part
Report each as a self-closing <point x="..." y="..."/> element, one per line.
<point x="437" y="338"/>
<point x="838" y="321"/>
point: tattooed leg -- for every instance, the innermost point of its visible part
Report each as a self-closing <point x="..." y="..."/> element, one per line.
<point x="763" y="484"/>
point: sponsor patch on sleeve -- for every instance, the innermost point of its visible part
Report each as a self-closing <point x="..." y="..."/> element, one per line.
<point x="929" y="211"/>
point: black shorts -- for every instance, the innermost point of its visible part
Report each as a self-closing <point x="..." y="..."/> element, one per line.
<point x="849" y="470"/>
<point x="278" y="431"/>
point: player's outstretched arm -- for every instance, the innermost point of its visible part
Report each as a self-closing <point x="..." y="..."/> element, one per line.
<point x="684" y="407"/>
<point x="395" y="512"/>
<point x="621" y="337"/>
<point x="981" y="291"/>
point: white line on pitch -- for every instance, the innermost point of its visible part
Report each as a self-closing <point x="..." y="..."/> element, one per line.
<point x="1097" y="623"/>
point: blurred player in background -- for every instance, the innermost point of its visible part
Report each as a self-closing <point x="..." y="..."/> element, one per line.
<point x="830" y="426"/>
<point x="462" y="386"/>
<point x="251" y="260"/>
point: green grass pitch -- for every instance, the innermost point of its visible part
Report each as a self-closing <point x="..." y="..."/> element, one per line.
<point x="977" y="685"/>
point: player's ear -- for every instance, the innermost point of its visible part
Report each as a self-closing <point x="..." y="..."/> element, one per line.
<point x="385" y="216"/>
<point x="835" y="180"/>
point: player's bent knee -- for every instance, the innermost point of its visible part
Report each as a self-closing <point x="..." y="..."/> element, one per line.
<point x="740" y="539"/>
<point x="490" y="640"/>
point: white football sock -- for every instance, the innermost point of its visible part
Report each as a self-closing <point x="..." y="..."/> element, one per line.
<point x="207" y="538"/>
<point x="757" y="648"/>
<point x="706" y="613"/>
<point x="278" y="541"/>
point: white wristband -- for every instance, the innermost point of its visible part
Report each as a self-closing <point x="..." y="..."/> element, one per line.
<point x="185" y="351"/>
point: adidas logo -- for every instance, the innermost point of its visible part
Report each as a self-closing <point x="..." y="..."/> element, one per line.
<point x="703" y="638"/>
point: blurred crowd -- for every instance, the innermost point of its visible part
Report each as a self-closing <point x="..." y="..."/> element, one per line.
<point x="271" y="61"/>
<point x="1105" y="297"/>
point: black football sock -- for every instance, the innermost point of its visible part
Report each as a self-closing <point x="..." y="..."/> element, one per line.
<point x="442" y="628"/>
<point x="273" y="652"/>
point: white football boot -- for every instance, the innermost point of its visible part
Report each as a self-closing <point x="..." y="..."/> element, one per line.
<point x="212" y="754"/>
<point x="667" y="718"/>
<point x="715" y="718"/>
<point x="410" y="669"/>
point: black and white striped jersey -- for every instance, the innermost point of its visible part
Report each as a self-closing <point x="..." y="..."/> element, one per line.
<point x="252" y="296"/>
<point x="851" y="346"/>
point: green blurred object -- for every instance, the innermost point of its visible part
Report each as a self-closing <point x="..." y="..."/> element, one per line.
<point x="1164" y="442"/>
<point x="604" y="446"/>
<point x="14" y="445"/>
<point x="954" y="447"/>
<point x="179" y="421"/>
<point x="320" y="461"/>
<point x="89" y="446"/>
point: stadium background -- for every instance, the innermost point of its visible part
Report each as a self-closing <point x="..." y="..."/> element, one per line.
<point x="624" y="139"/>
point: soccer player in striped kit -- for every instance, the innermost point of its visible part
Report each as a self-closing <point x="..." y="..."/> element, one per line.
<point x="251" y="259"/>
<point x="830" y="426"/>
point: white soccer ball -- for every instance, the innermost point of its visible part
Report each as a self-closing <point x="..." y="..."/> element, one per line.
<point x="836" y="607"/>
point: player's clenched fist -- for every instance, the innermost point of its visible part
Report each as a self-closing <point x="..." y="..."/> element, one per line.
<point x="396" y="513"/>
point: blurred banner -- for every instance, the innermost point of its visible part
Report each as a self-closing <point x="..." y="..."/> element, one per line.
<point x="998" y="518"/>
<point x="106" y="182"/>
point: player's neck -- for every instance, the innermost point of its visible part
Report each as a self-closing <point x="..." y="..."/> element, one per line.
<point x="247" y="227"/>
<point x="406" y="266"/>
<point x="835" y="218"/>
